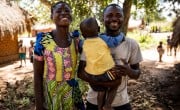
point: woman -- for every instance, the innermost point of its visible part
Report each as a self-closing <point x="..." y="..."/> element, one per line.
<point x="55" y="65"/>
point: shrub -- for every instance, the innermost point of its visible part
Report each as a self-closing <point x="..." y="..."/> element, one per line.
<point x="145" y="40"/>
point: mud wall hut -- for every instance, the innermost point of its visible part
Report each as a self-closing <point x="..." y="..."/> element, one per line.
<point x="41" y="28"/>
<point x="12" y="23"/>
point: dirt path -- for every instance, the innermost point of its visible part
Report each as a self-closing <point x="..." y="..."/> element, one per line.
<point x="11" y="72"/>
<point x="158" y="87"/>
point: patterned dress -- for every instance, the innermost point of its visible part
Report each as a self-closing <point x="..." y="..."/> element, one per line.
<point x="61" y="90"/>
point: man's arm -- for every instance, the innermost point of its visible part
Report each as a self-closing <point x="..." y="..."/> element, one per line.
<point x="133" y="71"/>
<point x="38" y="83"/>
<point x="81" y="74"/>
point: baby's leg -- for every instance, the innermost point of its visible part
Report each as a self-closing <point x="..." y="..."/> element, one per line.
<point x="100" y="98"/>
<point x="110" y="97"/>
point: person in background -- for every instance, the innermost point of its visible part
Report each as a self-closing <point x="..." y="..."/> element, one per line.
<point x="171" y="47"/>
<point x="160" y="50"/>
<point x="98" y="61"/>
<point x="22" y="53"/>
<point x="168" y="45"/>
<point x="31" y="51"/>
<point x="126" y="54"/>
<point x="55" y="65"/>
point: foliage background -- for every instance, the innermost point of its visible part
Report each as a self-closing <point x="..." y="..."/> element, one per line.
<point x="149" y="10"/>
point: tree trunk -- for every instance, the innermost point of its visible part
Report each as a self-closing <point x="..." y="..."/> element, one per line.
<point x="176" y="33"/>
<point x="126" y="9"/>
<point x="46" y="2"/>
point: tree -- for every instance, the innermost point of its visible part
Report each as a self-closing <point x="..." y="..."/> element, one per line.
<point x="85" y="8"/>
<point x="175" y="6"/>
<point x="82" y="8"/>
<point x="126" y="9"/>
<point x="176" y="33"/>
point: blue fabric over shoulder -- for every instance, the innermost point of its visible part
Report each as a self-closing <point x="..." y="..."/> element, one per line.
<point x="38" y="49"/>
<point x="112" y="41"/>
<point x="75" y="33"/>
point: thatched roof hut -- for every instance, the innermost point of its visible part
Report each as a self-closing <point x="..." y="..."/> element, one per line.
<point x="13" y="21"/>
<point x="176" y="32"/>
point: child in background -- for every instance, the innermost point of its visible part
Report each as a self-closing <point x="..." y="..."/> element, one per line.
<point x="160" y="50"/>
<point x="98" y="61"/>
<point x="22" y="53"/>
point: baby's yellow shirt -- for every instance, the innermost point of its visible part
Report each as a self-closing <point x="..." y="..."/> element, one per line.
<point x="98" y="56"/>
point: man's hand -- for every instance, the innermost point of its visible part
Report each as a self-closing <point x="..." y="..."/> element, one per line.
<point x="121" y="70"/>
<point x="132" y="71"/>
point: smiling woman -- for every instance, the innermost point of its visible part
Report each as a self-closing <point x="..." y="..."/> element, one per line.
<point x="55" y="63"/>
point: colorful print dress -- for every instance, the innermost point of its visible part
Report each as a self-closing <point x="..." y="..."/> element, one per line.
<point x="61" y="90"/>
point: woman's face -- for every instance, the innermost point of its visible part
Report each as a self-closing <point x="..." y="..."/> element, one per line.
<point x="62" y="15"/>
<point x="113" y="18"/>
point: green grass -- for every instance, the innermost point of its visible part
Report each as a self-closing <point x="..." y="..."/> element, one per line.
<point x="145" y="40"/>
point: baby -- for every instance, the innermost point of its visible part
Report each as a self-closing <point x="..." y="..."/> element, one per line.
<point x="98" y="61"/>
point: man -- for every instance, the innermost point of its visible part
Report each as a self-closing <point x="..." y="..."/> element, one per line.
<point x="126" y="54"/>
<point x="168" y="45"/>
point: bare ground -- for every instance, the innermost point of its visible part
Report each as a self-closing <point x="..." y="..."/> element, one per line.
<point x="158" y="87"/>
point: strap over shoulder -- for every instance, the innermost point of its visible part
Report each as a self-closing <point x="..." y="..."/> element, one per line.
<point x="38" y="49"/>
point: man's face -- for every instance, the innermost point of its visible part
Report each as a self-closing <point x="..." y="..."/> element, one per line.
<point x="62" y="15"/>
<point x="113" y="18"/>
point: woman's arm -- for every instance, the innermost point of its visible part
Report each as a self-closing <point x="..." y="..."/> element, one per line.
<point x="38" y="83"/>
<point x="81" y="74"/>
